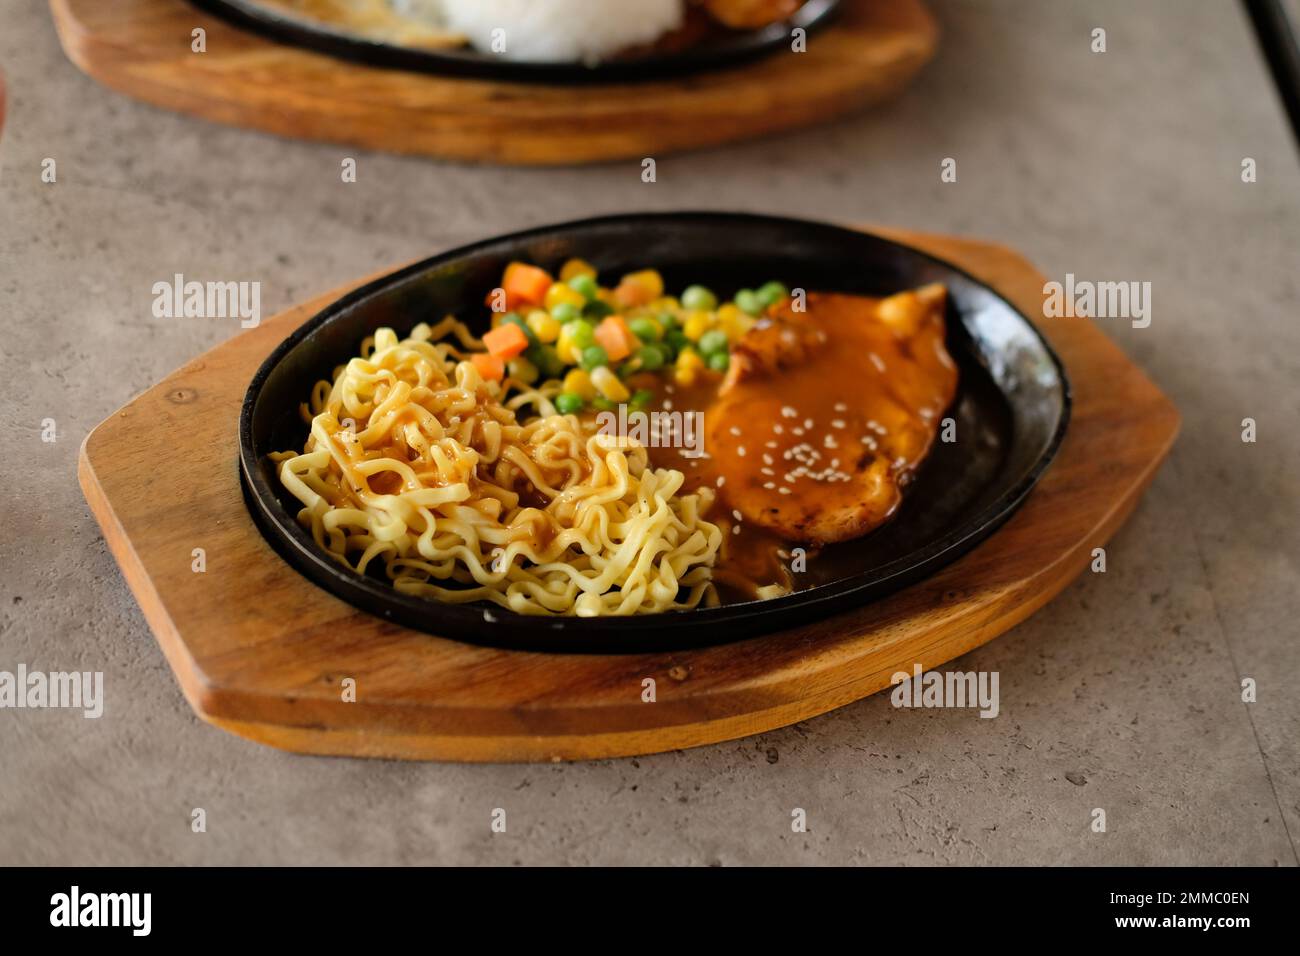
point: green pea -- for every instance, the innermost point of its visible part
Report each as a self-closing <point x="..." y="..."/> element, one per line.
<point x="582" y="333"/>
<point x="593" y="356"/>
<point x="585" y="285"/>
<point x="677" y="340"/>
<point x="645" y="329"/>
<point x="651" y="356"/>
<point x="699" y="297"/>
<point x="568" y="403"/>
<point x="642" y="397"/>
<point x="603" y="404"/>
<point x="747" y="301"/>
<point x="770" y="293"/>
<point x="719" y="361"/>
<point x="667" y="321"/>
<point x="565" y="312"/>
<point x="714" y="340"/>
<point x="547" y="360"/>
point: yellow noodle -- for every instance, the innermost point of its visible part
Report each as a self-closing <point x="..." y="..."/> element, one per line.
<point x="416" y="464"/>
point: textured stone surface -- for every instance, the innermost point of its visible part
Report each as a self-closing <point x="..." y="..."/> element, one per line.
<point x="1123" y="694"/>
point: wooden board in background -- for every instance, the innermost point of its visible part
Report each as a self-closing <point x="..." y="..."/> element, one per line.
<point x="869" y="53"/>
<point x="261" y="651"/>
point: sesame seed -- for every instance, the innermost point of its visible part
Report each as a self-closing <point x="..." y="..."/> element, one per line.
<point x="769" y="484"/>
<point x="783" y="490"/>
<point x="740" y="450"/>
<point x="722" y="480"/>
<point x="841" y="407"/>
<point x="735" y="430"/>
<point x="788" y="412"/>
<point x="777" y="428"/>
<point x="767" y="459"/>
<point x="837" y="423"/>
<point x="735" y="513"/>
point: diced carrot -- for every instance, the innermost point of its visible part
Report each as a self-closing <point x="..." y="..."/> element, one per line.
<point x="491" y="367"/>
<point x="632" y="292"/>
<point x="525" y="284"/>
<point x="616" y="338"/>
<point x="506" y="341"/>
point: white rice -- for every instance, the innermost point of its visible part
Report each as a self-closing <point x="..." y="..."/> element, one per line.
<point x="555" y="31"/>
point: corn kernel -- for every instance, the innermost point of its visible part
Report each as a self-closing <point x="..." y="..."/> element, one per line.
<point x="696" y="324"/>
<point x="523" y="370"/>
<point x="565" y="347"/>
<point x="544" y="327"/>
<point x="734" y="322"/>
<point x="607" y="384"/>
<point x="576" y="267"/>
<point x="666" y="303"/>
<point x="579" y="382"/>
<point x="560" y="292"/>
<point x="689" y="361"/>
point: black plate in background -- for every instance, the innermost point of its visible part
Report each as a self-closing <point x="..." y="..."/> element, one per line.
<point x="721" y="49"/>
<point x="1011" y="408"/>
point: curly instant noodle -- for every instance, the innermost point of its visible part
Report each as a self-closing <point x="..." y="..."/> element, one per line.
<point x="416" y="462"/>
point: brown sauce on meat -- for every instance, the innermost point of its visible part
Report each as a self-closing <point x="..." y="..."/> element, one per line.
<point x="817" y="427"/>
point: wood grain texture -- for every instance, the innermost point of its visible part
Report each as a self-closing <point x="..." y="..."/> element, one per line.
<point x="260" y="651"/>
<point x="142" y="48"/>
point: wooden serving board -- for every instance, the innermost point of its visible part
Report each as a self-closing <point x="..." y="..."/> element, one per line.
<point x="262" y="652"/>
<point x="142" y="48"/>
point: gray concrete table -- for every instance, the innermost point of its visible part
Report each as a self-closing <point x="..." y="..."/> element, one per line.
<point x="1123" y="694"/>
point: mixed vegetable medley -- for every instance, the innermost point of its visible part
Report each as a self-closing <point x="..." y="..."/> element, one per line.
<point x="600" y="342"/>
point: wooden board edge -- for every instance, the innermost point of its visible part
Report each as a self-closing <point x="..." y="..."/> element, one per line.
<point x="422" y="135"/>
<point x="198" y="693"/>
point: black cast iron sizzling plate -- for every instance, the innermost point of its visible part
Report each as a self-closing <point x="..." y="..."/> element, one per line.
<point x="719" y="49"/>
<point x="1012" y="406"/>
